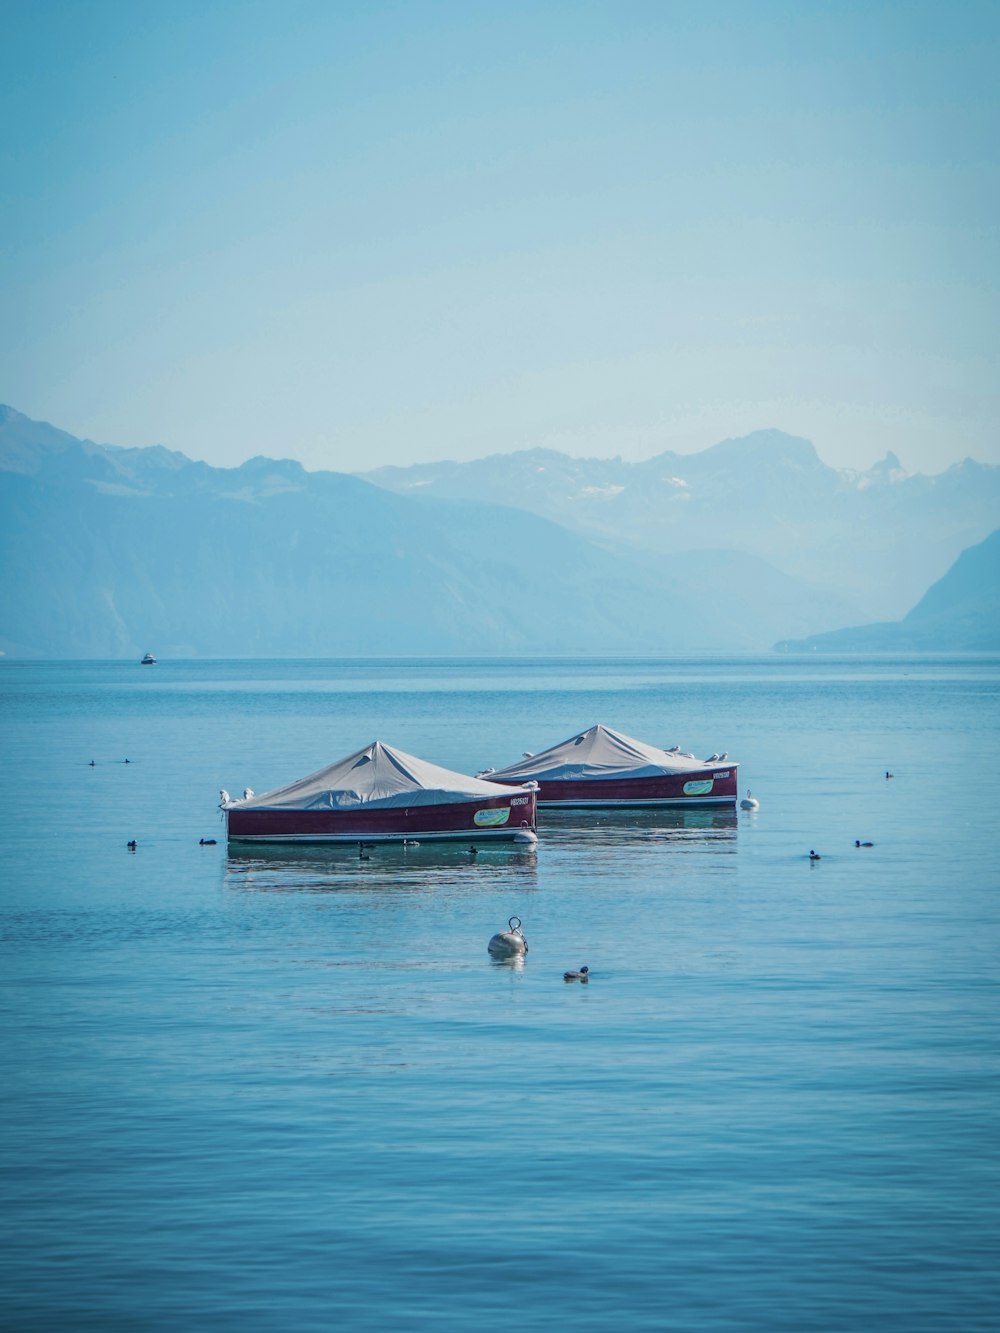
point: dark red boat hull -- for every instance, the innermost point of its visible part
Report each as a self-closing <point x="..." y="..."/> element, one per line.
<point x="707" y="786"/>
<point x="500" y="819"/>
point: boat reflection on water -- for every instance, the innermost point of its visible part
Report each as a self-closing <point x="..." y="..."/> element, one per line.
<point x="699" y="824"/>
<point x="416" y="867"/>
<point x="399" y="867"/>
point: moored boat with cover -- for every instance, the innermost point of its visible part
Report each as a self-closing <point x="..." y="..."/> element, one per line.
<point x="604" y="768"/>
<point x="381" y="794"/>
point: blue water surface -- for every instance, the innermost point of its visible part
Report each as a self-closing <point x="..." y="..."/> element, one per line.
<point x="291" y="1090"/>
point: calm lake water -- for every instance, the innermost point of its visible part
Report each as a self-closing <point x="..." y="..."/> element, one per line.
<point x="292" y="1090"/>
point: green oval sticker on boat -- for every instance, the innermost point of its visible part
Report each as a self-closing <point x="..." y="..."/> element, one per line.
<point x="491" y="818"/>
<point x="701" y="788"/>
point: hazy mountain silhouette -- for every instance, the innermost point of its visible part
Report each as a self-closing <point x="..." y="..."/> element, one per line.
<point x="875" y="538"/>
<point x="960" y="613"/>
<point x="109" y="551"/>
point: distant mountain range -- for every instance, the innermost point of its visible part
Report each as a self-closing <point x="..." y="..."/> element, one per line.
<point x="108" y="551"/>
<point x="874" y="539"/>
<point x="960" y="612"/>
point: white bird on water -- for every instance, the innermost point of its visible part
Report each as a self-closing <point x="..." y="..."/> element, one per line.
<point x="749" y="802"/>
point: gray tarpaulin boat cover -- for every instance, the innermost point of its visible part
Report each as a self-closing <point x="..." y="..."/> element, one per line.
<point x="598" y="752"/>
<point x="376" y="776"/>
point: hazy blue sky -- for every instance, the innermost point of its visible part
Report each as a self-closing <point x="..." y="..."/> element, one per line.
<point x="366" y="233"/>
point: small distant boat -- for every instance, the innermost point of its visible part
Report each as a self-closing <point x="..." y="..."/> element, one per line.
<point x="148" y="660"/>
<point x="601" y="768"/>
<point x="381" y="794"/>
